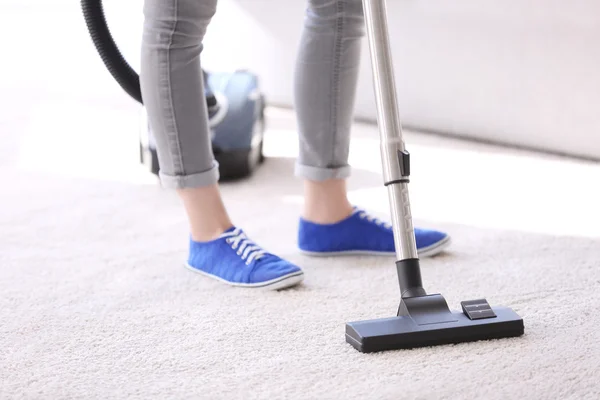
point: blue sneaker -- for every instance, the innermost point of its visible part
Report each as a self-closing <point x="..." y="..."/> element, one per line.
<point x="362" y="233"/>
<point x="234" y="259"/>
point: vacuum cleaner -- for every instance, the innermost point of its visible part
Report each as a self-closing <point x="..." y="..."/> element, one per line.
<point x="422" y="319"/>
<point x="236" y="105"/>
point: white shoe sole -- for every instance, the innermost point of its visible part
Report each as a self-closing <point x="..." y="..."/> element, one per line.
<point x="428" y="251"/>
<point x="281" y="282"/>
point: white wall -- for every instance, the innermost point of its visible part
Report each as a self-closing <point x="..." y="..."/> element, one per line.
<point x="521" y="72"/>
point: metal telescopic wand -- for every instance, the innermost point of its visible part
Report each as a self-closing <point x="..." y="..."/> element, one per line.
<point x="395" y="159"/>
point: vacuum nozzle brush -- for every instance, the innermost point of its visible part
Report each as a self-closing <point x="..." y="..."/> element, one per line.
<point x="427" y="321"/>
<point x="422" y="319"/>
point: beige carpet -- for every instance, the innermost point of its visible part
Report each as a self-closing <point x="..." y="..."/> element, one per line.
<point x="95" y="303"/>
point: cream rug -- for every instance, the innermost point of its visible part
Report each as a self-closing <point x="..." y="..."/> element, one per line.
<point x="95" y="302"/>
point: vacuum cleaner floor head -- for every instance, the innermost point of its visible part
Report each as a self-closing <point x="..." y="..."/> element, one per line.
<point x="422" y="319"/>
<point x="477" y="321"/>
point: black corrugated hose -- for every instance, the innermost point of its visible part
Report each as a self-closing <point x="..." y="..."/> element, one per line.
<point x="114" y="61"/>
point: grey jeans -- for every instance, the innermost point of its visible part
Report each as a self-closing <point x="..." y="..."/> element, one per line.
<point x="325" y="80"/>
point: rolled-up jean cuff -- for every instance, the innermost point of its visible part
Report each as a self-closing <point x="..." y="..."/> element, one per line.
<point x="322" y="174"/>
<point x="205" y="178"/>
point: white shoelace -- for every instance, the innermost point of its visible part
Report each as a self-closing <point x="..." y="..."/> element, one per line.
<point x="245" y="247"/>
<point x="364" y="215"/>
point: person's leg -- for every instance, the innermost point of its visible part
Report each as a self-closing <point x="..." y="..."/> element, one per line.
<point x="326" y="74"/>
<point x="326" y="78"/>
<point x="173" y="92"/>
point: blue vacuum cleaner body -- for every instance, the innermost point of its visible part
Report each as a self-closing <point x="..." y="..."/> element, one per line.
<point x="235" y="103"/>
<point x="237" y="121"/>
<point x="236" y="109"/>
